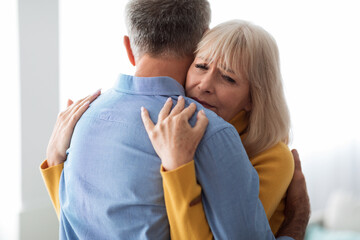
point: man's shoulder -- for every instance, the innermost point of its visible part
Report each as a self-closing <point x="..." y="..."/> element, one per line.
<point x="114" y="106"/>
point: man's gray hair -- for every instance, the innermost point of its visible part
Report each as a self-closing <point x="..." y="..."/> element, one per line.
<point x="166" y="27"/>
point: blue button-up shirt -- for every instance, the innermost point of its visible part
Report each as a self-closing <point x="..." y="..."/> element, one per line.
<point x="111" y="187"/>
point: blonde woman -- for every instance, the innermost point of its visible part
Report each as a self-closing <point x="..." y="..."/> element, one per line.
<point x="236" y="73"/>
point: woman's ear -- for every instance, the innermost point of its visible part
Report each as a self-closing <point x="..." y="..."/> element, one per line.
<point x="248" y="106"/>
<point x="129" y="50"/>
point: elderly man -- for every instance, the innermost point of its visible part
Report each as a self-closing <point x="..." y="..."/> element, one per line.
<point x="111" y="187"/>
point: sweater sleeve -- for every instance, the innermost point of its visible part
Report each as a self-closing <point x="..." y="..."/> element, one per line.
<point x="183" y="204"/>
<point x="51" y="177"/>
<point x="275" y="168"/>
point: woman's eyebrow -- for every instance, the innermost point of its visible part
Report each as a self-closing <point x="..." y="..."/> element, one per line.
<point x="224" y="68"/>
<point x="221" y="66"/>
<point x="205" y="59"/>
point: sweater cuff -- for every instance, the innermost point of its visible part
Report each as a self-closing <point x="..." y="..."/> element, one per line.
<point x="51" y="177"/>
<point x="45" y="169"/>
<point x="181" y="177"/>
<point x="181" y="184"/>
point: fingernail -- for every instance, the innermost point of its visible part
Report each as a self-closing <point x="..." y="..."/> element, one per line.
<point x="203" y="112"/>
<point x="180" y="97"/>
<point x="142" y="109"/>
<point x="169" y="99"/>
<point x="97" y="92"/>
<point x="87" y="103"/>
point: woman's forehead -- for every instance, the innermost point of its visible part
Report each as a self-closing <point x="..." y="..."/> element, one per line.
<point x="220" y="63"/>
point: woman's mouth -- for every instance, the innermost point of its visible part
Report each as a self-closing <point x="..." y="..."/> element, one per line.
<point x="205" y="104"/>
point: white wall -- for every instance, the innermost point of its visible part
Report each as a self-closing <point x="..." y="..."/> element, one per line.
<point x="39" y="79"/>
<point x="91" y="46"/>
<point x="29" y="104"/>
<point x="10" y="142"/>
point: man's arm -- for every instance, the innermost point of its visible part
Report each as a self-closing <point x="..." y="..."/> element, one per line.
<point x="297" y="210"/>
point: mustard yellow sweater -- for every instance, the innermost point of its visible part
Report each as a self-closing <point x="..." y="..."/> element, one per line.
<point x="182" y="194"/>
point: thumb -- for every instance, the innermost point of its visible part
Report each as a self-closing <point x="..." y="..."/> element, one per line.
<point x="201" y="123"/>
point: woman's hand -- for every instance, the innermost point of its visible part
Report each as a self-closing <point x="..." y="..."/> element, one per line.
<point x="173" y="138"/>
<point x="60" y="138"/>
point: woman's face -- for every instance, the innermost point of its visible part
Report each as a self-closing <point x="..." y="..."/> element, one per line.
<point x="217" y="89"/>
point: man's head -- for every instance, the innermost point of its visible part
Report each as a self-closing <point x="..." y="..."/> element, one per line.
<point x="169" y="28"/>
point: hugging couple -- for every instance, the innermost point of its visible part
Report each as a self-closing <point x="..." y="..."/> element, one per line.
<point x="193" y="146"/>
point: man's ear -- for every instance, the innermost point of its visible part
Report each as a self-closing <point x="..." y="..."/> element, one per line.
<point x="129" y="50"/>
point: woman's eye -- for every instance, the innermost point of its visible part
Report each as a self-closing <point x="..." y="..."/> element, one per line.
<point x="227" y="78"/>
<point x="201" y="66"/>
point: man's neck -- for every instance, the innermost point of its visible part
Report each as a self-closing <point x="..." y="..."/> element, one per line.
<point x="175" y="68"/>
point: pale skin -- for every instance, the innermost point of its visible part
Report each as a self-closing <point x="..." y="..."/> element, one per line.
<point x="217" y="89"/>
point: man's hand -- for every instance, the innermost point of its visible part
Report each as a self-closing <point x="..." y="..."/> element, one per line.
<point x="297" y="210"/>
<point x="60" y="138"/>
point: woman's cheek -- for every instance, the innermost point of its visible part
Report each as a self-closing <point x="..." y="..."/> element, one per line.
<point x="190" y="83"/>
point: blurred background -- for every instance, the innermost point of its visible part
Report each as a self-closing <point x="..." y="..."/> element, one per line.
<point x="52" y="50"/>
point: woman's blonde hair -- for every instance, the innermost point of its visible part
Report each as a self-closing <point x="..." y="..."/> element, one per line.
<point x="252" y="54"/>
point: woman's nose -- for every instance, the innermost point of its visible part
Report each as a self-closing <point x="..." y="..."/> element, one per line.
<point x="206" y="84"/>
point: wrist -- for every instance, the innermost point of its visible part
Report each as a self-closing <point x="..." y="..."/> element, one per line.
<point x="172" y="164"/>
<point x="55" y="160"/>
<point x="54" y="163"/>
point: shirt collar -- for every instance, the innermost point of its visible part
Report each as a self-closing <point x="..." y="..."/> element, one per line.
<point x="149" y="85"/>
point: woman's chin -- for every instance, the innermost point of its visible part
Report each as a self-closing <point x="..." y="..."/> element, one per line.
<point x="210" y="108"/>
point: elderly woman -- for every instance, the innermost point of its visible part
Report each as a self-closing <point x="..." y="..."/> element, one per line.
<point x="236" y="74"/>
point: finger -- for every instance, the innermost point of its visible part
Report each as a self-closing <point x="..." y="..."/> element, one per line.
<point x="148" y="123"/>
<point x="92" y="97"/>
<point x="77" y="115"/>
<point x="69" y="111"/>
<point x="201" y="123"/>
<point x="178" y="107"/>
<point x="89" y="98"/>
<point x="165" y="110"/>
<point x="296" y="159"/>
<point x="82" y="101"/>
<point x="189" y="111"/>
<point x="69" y="102"/>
